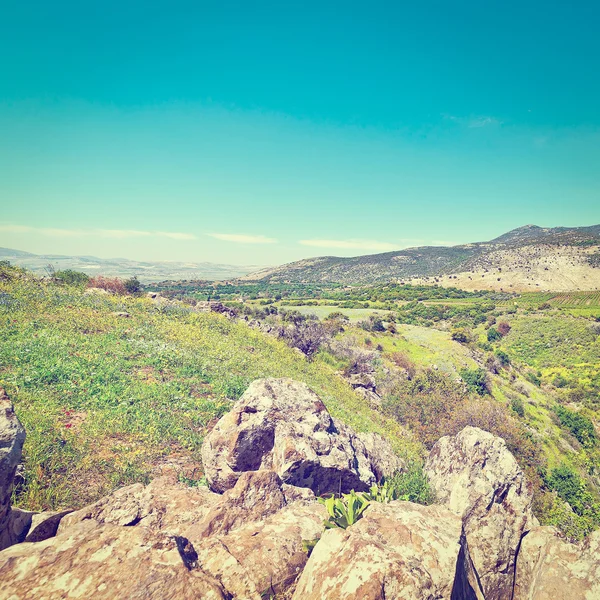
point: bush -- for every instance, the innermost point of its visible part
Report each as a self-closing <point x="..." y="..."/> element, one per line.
<point x="132" y="285"/>
<point x="579" y="425"/>
<point x="114" y="285"/>
<point x="567" y="483"/>
<point x="306" y="336"/>
<point x="70" y="277"/>
<point x="476" y="380"/>
<point x="516" y="404"/>
<point x="493" y="335"/>
<point x="401" y="360"/>
<point x="503" y="328"/>
<point x="460" y="335"/>
<point x="502" y="357"/>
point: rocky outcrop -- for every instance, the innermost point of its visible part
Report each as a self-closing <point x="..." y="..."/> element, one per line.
<point x="478" y="479"/>
<point x="168" y="541"/>
<point x="549" y="568"/>
<point x="105" y="562"/>
<point x="398" y="550"/>
<point x="282" y="425"/>
<point x="12" y="437"/>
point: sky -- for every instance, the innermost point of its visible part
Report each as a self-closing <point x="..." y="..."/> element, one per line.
<point x="265" y="132"/>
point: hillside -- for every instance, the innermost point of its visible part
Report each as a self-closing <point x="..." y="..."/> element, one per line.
<point x="123" y="267"/>
<point x="525" y="259"/>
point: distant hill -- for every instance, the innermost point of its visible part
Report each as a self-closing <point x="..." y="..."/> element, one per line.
<point x="527" y="258"/>
<point x="123" y="267"/>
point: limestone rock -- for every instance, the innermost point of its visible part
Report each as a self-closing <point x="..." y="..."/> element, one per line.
<point x="549" y="568"/>
<point x="255" y="496"/>
<point x="477" y="478"/>
<point x="164" y="505"/>
<point x="12" y="437"/>
<point x="282" y="425"/>
<point x="397" y="550"/>
<point x="105" y="562"/>
<point x="263" y="558"/>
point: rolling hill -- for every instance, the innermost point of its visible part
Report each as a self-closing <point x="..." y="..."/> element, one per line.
<point x="526" y="258"/>
<point x="123" y="267"/>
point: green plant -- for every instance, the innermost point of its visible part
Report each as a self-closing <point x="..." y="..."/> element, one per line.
<point x="132" y="285"/>
<point x="346" y="510"/>
<point x="411" y="485"/>
<point x="476" y="380"/>
<point x="71" y="277"/>
<point x="516" y="404"/>
<point x="493" y="335"/>
<point x="502" y="357"/>
<point x="579" y="425"/>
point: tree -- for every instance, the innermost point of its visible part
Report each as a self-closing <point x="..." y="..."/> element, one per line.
<point x="133" y="286"/>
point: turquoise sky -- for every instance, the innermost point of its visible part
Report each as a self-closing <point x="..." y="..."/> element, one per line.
<point x="262" y="132"/>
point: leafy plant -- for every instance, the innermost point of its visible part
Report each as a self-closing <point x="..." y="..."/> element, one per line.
<point x="346" y="510"/>
<point x="579" y="425"/>
<point x="411" y="485"/>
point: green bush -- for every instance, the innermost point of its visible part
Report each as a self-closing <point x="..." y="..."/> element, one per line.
<point x="71" y="277"/>
<point x="493" y="335"/>
<point x="476" y="380"/>
<point x="516" y="404"/>
<point x="579" y="425"/>
<point x="133" y="286"/>
<point x="502" y="357"/>
<point x="460" y="335"/>
<point x="568" y="484"/>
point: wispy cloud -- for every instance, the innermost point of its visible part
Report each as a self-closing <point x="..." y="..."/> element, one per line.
<point x="103" y="233"/>
<point x="350" y="244"/>
<point x="474" y="122"/>
<point x="243" y="239"/>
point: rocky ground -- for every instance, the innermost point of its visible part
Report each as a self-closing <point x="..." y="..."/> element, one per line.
<point x="249" y="534"/>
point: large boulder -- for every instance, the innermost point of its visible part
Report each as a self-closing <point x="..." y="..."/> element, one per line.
<point x="396" y="551"/>
<point x="282" y="425"/>
<point x="166" y="540"/>
<point x="12" y="437"/>
<point x="106" y="562"/>
<point x="549" y="568"/>
<point x="478" y="479"/>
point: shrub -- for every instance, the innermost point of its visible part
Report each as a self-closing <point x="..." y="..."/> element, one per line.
<point x="493" y="335"/>
<point x="476" y="380"/>
<point x="306" y="336"/>
<point x="503" y="328"/>
<point x="579" y="425"/>
<point x="516" y="404"/>
<point x="534" y="378"/>
<point x="567" y="483"/>
<point x="460" y="335"/>
<point x="114" y="285"/>
<point x="502" y="357"/>
<point x="70" y="277"/>
<point x="132" y="285"/>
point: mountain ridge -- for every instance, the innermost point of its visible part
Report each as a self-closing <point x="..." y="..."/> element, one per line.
<point x="526" y="258"/>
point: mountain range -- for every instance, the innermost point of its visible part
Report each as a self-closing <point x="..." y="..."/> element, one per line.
<point x="526" y="258"/>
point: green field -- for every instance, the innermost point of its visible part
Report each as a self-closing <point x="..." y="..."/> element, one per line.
<point x="582" y="304"/>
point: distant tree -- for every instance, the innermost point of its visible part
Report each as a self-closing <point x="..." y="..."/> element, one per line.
<point x="460" y="335"/>
<point x="132" y="285"/>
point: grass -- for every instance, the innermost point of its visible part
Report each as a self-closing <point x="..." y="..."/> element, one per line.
<point x="108" y="400"/>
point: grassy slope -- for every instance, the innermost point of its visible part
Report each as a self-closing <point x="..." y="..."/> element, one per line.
<point x="106" y="400"/>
